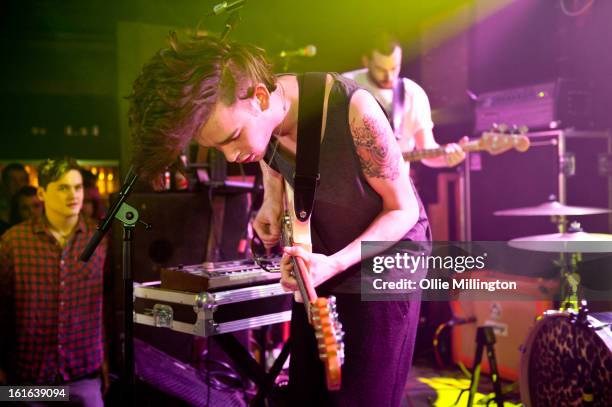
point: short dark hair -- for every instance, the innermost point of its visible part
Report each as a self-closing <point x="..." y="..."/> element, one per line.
<point x="14" y="216"/>
<point x="384" y="43"/>
<point x="174" y="95"/>
<point x="53" y="169"/>
<point x="10" y="168"/>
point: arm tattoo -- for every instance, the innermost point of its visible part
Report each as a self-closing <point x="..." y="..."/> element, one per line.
<point x="379" y="158"/>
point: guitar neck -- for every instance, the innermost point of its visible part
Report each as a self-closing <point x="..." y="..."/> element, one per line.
<point x="418" y="155"/>
<point x="298" y="233"/>
<point x="300" y="273"/>
<point x="307" y="290"/>
<point x="300" y="270"/>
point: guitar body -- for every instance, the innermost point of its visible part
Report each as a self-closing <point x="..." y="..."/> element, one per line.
<point x="321" y="311"/>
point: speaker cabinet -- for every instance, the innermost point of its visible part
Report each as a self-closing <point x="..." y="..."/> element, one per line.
<point x="179" y="234"/>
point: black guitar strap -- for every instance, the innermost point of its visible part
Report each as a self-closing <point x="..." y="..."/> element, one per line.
<point x="310" y="121"/>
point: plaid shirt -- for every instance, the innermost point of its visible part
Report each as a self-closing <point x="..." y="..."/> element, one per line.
<point x="52" y="302"/>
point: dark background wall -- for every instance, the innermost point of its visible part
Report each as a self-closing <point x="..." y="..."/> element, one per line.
<point x="60" y="64"/>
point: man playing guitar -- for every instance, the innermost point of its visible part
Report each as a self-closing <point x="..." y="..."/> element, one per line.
<point x="224" y="95"/>
<point x="404" y="101"/>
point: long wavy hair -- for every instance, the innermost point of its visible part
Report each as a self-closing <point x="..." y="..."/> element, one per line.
<point x="175" y="93"/>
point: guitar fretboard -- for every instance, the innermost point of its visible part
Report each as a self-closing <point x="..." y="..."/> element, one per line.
<point x="494" y="143"/>
<point x="418" y="155"/>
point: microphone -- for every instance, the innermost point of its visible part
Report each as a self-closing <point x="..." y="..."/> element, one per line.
<point x="308" y="51"/>
<point x="224" y="7"/>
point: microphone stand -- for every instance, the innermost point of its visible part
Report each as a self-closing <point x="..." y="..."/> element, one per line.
<point x="127" y="215"/>
<point x="230" y="23"/>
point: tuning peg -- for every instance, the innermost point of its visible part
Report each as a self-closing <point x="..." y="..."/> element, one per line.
<point x="503" y="128"/>
<point x="523" y="129"/>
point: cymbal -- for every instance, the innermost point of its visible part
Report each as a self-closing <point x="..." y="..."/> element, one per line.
<point x="552" y="208"/>
<point x="569" y="242"/>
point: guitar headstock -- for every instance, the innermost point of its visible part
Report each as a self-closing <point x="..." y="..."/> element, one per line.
<point x="502" y="138"/>
<point x="329" y="334"/>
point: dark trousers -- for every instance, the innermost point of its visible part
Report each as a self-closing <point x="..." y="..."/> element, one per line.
<point x="379" y="343"/>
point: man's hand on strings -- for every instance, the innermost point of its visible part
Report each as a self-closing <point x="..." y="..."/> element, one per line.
<point x="320" y="267"/>
<point x="454" y="153"/>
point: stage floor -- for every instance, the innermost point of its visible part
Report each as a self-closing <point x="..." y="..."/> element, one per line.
<point x="428" y="386"/>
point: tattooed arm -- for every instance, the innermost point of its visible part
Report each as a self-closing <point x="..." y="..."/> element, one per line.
<point x="385" y="171"/>
<point x="383" y="167"/>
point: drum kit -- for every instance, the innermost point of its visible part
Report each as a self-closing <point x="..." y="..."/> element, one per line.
<point x="567" y="357"/>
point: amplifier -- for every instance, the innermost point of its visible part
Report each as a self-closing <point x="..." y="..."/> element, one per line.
<point x="511" y="322"/>
<point x="550" y="105"/>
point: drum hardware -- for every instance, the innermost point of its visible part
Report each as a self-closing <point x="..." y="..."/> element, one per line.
<point x="556" y="210"/>
<point x="574" y="243"/>
<point x="567" y="359"/>
<point x="552" y="208"/>
<point x="604" y="164"/>
<point x="485" y="337"/>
